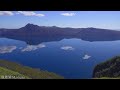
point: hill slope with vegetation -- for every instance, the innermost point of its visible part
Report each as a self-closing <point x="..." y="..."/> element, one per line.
<point x="9" y="74"/>
<point x="108" y="69"/>
<point x="12" y="68"/>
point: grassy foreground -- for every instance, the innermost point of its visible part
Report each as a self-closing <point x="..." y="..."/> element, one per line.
<point x="17" y="70"/>
<point x="9" y="74"/>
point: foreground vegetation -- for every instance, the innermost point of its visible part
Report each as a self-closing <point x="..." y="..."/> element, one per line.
<point x="108" y="70"/>
<point x="12" y="68"/>
<point x="108" y="78"/>
<point x="9" y="74"/>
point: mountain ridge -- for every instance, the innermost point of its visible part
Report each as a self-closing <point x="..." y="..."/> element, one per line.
<point x="31" y="32"/>
<point x="31" y="25"/>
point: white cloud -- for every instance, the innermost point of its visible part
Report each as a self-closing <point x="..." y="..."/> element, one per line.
<point x="39" y="15"/>
<point x="67" y="48"/>
<point x="9" y="13"/>
<point x="30" y="13"/>
<point x="7" y="49"/>
<point x="86" y="56"/>
<point x="68" y="14"/>
<point x="33" y="47"/>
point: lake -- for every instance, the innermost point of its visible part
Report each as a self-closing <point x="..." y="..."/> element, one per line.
<point x="71" y="58"/>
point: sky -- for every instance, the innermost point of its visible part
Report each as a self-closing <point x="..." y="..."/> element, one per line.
<point x="75" y="19"/>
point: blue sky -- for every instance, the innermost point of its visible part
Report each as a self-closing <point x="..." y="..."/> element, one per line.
<point x="75" y="19"/>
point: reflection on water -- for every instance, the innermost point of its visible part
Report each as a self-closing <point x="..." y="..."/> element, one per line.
<point x="67" y="48"/>
<point x="33" y="47"/>
<point x="7" y="49"/>
<point x="71" y="58"/>
<point x="86" y="56"/>
<point x="37" y="39"/>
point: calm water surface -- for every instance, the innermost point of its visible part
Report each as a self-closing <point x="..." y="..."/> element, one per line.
<point x="71" y="58"/>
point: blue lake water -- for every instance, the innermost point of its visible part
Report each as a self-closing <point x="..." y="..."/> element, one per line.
<point x="71" y="58"/>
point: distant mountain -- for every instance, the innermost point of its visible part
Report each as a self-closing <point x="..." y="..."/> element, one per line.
<point x="108" y="69"/>
<point x="35" y="30"/>
<point x="44" y="33"/>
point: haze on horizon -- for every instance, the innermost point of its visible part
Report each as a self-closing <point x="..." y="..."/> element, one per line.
<point x="74" y="19"/>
